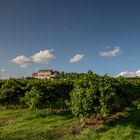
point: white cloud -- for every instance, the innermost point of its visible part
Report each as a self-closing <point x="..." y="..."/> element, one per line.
<point x="2" y="70"/>
<point x="76" y="58"/>
<point x="129" y="74"/>
<point x="43" y="57"/>
<point x="111" y="53"/>
<point x="22" y="60"/>
<point x="24" y="65"/>
<point x="3" y="74"/>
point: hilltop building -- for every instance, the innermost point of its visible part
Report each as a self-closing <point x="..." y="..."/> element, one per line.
<point x="45" y="74"/>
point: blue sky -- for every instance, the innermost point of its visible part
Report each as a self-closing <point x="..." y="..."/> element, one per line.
<point x="69" y="35"/>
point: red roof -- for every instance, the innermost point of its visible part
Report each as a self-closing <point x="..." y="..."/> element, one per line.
<point x="34" y="74"/>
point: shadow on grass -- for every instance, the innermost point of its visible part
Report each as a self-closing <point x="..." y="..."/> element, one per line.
<point x="131" y="118"/>
<point x="66" y="114"/>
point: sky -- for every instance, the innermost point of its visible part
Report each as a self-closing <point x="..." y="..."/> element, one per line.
<point x="70" y="36"/>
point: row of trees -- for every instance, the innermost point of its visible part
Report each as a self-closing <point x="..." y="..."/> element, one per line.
<point x="83" y="94"/>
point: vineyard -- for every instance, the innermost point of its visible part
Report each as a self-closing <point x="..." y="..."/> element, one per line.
<point x="72" y="106"/>
<point x="84" y="95"/>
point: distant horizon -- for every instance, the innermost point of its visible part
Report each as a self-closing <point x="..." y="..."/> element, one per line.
<point x="70" y="36"/>
<point x="122" y="74"/>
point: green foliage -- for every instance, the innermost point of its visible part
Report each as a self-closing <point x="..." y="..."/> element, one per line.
<point x="11" y="91"/>
<point x="107" y="94"/>
<point x="84" y="94"/>
<point x="33" y="98"/>
<point x="94" y="94"/>
<point x="84" y="98"/>
<point x="47" y="94"/>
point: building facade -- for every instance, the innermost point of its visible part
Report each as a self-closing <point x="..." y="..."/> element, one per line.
<point x="45" y="74"/>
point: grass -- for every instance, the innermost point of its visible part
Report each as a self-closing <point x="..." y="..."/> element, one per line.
<point x="24" y="124"/>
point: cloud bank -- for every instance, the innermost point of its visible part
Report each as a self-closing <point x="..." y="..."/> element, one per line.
<point x="111" y="53"/>
<point x="129" y="74"/>
<point x="76" y="58"/>
<point x="3" y="74"/>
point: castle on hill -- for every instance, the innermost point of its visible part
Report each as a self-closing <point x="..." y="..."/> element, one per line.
<point x="45" y="74"/>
